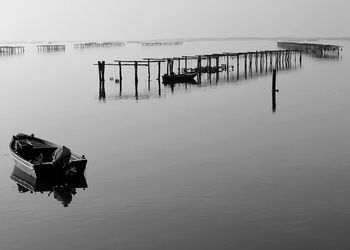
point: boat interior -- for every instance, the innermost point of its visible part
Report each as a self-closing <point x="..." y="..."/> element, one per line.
<point x="33" y="150"/>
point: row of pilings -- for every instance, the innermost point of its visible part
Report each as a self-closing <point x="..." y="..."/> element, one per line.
<point x="231" y="66"/>
<point x="98" y="45"/>
<point x="47" y="48"/>
<point x="11" y="50"/>
<point x="314" y="49"/>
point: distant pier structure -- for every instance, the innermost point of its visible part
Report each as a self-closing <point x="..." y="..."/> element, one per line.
<point x="318" y="50"/>
<point x="51" y="48"/>
<point x="158" y="43"/>
<point x="11" y="50"/>
<point x="90" y="45"/>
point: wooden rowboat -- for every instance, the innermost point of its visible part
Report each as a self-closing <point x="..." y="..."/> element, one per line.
<point x="37" y="157"/>
<point x="180" y="78"/>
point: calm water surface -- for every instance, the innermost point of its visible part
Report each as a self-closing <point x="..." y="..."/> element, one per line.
<point x="201" y="168"/>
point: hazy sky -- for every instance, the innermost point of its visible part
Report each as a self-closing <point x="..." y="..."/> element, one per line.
<point x="151" y="19"/>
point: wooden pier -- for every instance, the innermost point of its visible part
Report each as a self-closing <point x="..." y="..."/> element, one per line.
<point x="318" y="50"/>
<point x="90" y="45"/>
<point x="227" y="65"/>
<point x="51" y="48"/>
<point x="158" y="43"/>
<point x="11" y="50"/>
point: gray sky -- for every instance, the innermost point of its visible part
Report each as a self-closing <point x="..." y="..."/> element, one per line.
<point x="151" y="19"/>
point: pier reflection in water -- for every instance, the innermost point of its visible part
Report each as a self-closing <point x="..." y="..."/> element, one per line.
<point x="62" y="188"/>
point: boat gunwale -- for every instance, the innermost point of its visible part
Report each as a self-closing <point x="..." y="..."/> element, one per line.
<point x="25" y="162"/>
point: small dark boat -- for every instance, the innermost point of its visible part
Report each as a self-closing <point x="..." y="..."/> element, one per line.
<point x="180" y="78"/>
<point x="38" y="157"/>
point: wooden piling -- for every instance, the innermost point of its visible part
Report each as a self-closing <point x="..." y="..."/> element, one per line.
<point x="159" y="70"/>
<point x="136" y="81"/>
<point x="148" y="72"/>
<point x="245" y="65"/>
<point x="274" y="80"/>
<point x="228" y="67"/>
<point x="199" y="66"/>
<point x="237" y="66"/>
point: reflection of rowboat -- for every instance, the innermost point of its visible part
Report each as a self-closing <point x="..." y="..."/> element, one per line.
<point x="180" y="78"/>
<point x="46" y="182"/>
<point x="63" y="187"/>
<point x="38" y="157"/>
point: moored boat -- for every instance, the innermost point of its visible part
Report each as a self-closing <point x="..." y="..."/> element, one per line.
<point x="38" y="157"/>
<point x="180" y="78"/>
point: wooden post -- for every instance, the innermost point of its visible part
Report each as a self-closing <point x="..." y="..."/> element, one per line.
<point x="120" y="72"/>
<point x="149" y="73"/>
<point x="209" y="65"/>
<point x="245" y="65"/>
<point x="99" y="71"/>
<point x="103" y="70"/>
<point x="217" y="68"/>
<point x="274" y="80"/>
<point x="171" y="66"/>
<point x="237" y="66"/>
<point x="228" y="67"/>
<point x="159" y="70"/>
<point x="179" y="66"/>
<point x="136" y="81"/>
<point x="185" y="63"/>
<point x="167" y="66"/>
<point x="120" y="78"/>
<point x="300" y="59"/>
<point x="250" y="62"/>
<point x="270" y="60"/>
<point x="199" y="66"/>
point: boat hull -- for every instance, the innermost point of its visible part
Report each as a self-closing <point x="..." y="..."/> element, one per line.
<point x="77" y="163"/>
<point x="181" y="78"/>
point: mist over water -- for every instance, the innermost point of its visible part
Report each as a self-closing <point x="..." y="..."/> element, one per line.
<point x="204" y="167"/>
